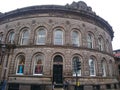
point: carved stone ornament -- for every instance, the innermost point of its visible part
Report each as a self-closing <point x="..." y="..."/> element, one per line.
<point x="80" y="6"/>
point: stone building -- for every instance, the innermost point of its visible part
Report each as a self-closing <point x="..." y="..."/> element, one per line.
<point x="43" y="42"/>
<point x="117" y="62"/>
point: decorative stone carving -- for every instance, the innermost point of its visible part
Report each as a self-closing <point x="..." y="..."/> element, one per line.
<point x="80" y="6"/>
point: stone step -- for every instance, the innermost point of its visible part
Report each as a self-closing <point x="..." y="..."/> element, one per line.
<point x="58" y="89"/>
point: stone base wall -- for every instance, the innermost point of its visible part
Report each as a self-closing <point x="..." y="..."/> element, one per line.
<point x="70" y="87"/>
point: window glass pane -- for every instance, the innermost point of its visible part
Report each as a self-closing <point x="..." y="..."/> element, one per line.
<point x="103" y="68"/>
<point x="1" y="36"/>
<point x="11" y="37"/>
<point x="75" y="38"/>
<point x="76" y="59"/>
<point x="21" y="62"/>
<point x="25" y="37"/>
<point x="100" y="43"/>
<point x="90" y="41"/>
<point x="110" y="68"/>
<point x="92" y="67"/>
<point x="41" y="35"/>
<point x="58" y="58"/>
<point x="58" y="37"/>
<point x="38" y="64"/>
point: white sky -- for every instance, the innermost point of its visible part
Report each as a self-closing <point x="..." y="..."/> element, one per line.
<point x="107" y="9"/>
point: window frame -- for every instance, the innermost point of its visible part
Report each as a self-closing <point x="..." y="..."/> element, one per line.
<point x="73" y="39"/>
<point x="34" y="62"/>
<point x="100" y="44"/>
<point x="79" y="72"/>
<point x="103" y="67"/>
<point x="11" y="37"/>
<point x="92" y="67"/>
<point x="110" y="68"/>
<point x="61" y="37"/>
<point x="1" y="37"/>
<point x="24" y="38"/>
<point x="90" y="40"/>
<point x="39" y="36"/>
<point x="18" y="61"/>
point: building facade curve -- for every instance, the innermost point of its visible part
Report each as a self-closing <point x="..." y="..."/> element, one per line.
<point x="44" y="44"/>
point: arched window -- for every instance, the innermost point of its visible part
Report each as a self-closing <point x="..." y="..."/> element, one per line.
<point x="24" y="37"/>
<point x="11" y="37"/>
<point x="110" y="68"/>
<point x="90" y="40"/>
<point x="100" y="43"/>
<point x="75" y="38"/>
<point x="58" y="58"/>
<point x="58" y="37"/>
<point x="92" y="67"/>
<point x="38" y="64"/>
<point x="41" y="36"/>
<point x="103" y="67"/>
<point x="20" y="64"/>
<point x="75" y="60"/>
<point x="107" y="46"/>
<point x="1" y="37"/>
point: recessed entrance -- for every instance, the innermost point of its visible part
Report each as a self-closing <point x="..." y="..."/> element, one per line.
<point x="58" y="69"/>
<point x="57" y="74"/>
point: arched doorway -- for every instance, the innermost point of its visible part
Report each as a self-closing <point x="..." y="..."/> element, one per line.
<point x="58" y="69"/>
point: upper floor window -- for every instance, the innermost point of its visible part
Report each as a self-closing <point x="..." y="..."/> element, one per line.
<point x="58" y="37"/>
<point x="92" y="67"/>
<point x="119" y="69"/>
<point x="11" y="37"/>
<point x="100" y="43"/>
<point x="107" y="46"/>
<point x="1" y="37"/>
<point x="20" y="64"/>
<point x="75" y="38"/>
<point x="103" y="67"/>
<point x="24" y="37"/>
<point x="38" y="64"/>
<point x="75" y="60"/>
<point x="90" y="40"/>
<point x="41" y="36"/>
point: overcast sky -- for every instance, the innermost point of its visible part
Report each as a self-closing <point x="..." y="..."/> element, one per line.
<point x="107" y="9"/>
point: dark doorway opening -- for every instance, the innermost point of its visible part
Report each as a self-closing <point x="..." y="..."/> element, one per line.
<point x="57" y="74"/>
<point x="13" y="86"/>
<point x="36" y="87"/>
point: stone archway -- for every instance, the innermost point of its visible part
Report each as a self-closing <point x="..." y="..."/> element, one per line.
<point x="58" y="69"/>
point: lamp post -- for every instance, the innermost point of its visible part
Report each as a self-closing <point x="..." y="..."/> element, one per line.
<point x="77" y="67"/>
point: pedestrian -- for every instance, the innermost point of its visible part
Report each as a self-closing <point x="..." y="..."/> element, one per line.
<point x="53" y="85"/>
<point x="3" y="85"/>
<point x="65" y="85"/>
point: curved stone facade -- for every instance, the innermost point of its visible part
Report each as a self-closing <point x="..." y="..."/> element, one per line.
<point x="55" y="36"/>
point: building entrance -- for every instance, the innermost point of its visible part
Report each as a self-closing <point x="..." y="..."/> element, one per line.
<point x="57" y="74"/>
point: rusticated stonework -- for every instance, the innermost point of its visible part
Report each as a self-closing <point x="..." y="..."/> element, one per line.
<point x="77" y="16"/>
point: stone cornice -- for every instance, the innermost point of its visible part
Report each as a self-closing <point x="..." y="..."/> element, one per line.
<point x="64" y="47"/>
<point x="60" y="9"/>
